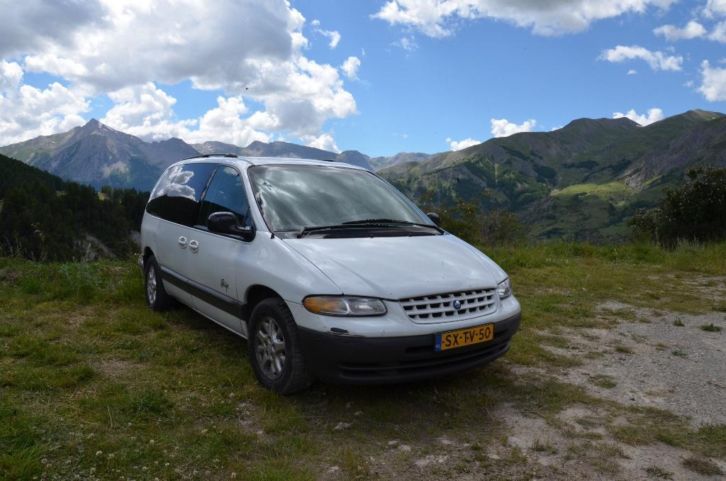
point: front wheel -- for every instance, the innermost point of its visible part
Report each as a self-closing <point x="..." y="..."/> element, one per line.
<point x="274" y="348"/>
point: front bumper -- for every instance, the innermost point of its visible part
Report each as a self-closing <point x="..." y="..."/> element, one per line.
<point x="366" y="360"/>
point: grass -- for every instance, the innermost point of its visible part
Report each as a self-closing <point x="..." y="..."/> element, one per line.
<point x="710" y="328"/>
<point x="702" y="466"/>
<point x="623" y="349"/>
<point x="94" y="384"/>
<point x="610" y="190"/>
<point x="543" y="446"/>
<point x="658" y="473"/>
<point x="603" y="381"/>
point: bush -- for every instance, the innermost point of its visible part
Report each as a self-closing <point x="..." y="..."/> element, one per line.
<point x="696" y="212"/>
<point x="497" y="227"/>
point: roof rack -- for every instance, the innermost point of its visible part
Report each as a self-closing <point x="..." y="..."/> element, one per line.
<point x="206" y="156"/>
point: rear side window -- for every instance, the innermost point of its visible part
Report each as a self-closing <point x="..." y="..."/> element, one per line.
<point x="226" y="193"/>
<point x="177" y="194"/>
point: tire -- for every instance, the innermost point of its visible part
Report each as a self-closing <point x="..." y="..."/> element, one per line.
<point x="156" y="297"/>
<point x="272" y="329"/>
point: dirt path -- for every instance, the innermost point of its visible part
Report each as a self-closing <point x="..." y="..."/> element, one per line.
<point x="663" y="360"/>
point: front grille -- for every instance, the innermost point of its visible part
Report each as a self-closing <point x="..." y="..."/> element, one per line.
<point x="440" y="307"/>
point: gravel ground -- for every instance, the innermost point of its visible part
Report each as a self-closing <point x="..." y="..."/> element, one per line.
<point x="654" y="362"/>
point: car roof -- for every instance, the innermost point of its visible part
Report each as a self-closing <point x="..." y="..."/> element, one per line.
<point x="245" y="161"/>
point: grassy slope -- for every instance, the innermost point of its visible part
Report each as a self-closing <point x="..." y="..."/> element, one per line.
<point x="93" y="383"/>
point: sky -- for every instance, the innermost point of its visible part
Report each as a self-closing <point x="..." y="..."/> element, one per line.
<point x="378" y="76"/>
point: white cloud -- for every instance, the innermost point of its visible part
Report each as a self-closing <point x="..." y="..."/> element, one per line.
<point x="245" y="49"/>
<point x="27" y="111"/>
<point x="324" y="141"/>
<point x="333" y="36"/>
<point x="715" y="8"/>
<point x="653" y="115"/>
<point x="461" y="144"/>
<point x="407" y="43"/>
<point x="632" y="71"/>
<point x="656" y="60"/>
<point x="10" y="76"/>
<point x="118" y="167"/>
<point x="505" y="128"/>
<point x="435" y="18"/>
<point x="225" y="123"/>
<point x="147" y="112"/>
<point x="31" y="24"/>
<point x="713" y="85"/>
<point x="719" y="32"/>
<point x="350" y="67"/>
<point x="672" y="33"/>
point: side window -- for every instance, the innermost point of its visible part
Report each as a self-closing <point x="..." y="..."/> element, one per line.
<point x="176" y="196"/>
<point x="226" y="192"/>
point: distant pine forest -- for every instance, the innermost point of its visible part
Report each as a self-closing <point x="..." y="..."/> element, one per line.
<point x="45" y="218"/>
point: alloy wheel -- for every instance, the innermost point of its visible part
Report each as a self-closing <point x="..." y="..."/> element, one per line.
<point x="151" y="285"/>
<point x="270" y="348"/>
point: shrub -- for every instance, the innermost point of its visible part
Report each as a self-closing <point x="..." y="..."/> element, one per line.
<point x="497" y="227"/>
<point x="695" y="212"/>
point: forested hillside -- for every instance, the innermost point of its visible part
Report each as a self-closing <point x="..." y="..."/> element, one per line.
<point x="581" y="182"/>
<point x="43" y="217"/>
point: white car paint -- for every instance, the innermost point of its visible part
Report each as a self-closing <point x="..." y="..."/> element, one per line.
<point x="389" y="268"/>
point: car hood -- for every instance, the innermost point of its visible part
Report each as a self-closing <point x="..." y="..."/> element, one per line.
<point x="400" y="267"/>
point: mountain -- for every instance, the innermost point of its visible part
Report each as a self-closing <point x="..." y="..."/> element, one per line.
<point x="98" y="155"/>
<point x="580" y="182"/>
<point x="284" y="149"/>
<point x="379" y="163"/>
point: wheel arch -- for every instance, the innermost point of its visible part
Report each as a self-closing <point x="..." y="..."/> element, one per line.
<point x="147" y="253"/>
<point x="254" y="295"/>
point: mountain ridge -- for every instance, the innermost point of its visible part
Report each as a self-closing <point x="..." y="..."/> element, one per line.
<point x="97" y="154"/>
<point x="581" y="181"/>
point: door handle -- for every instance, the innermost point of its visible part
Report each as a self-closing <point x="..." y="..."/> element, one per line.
<point x="182" y="242"/>
<point x="194" y="245"/>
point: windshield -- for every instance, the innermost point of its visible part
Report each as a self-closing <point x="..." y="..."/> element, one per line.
<point x="294" y="197"/>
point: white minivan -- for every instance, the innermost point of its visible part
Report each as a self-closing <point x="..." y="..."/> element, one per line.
<point x="326" y="269"/>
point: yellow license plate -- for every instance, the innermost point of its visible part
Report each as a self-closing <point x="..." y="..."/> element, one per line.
<point x="464" y="337"/>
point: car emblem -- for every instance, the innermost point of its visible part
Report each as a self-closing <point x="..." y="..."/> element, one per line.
<point x="457" y="304"/>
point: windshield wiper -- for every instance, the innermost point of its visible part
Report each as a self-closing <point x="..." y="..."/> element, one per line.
<point x="391" y="222"/>
<point x="364" y="223"/>
<point x="318" y="228"/>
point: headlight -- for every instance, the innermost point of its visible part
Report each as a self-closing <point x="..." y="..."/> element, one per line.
<point x="504" y="289"/>
<point x="344" y="306"/>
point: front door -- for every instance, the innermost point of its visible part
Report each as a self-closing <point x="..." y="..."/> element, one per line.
<point x="215" y="258"/>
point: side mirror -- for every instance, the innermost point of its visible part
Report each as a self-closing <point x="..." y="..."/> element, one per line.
<point x="227" y="223"/>
<point x="434" y="217"/>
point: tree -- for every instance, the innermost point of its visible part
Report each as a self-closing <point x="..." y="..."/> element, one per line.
<point x="495" y="227"/>
<point x="694" y="212"/>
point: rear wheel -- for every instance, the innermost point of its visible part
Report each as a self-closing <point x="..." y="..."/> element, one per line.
<point x="156" y="296"/>
<point x="274" y="348"/>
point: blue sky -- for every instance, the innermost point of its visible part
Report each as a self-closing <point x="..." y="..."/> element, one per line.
<point x="431" y="73"/>
<point x="452" y="87"/>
